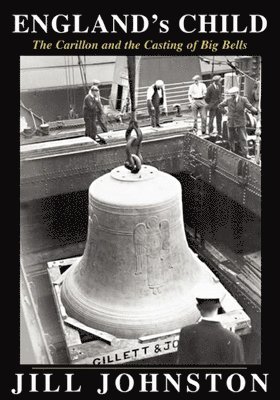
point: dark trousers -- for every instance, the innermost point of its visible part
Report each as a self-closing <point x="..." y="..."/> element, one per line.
<point x="101" y="121"/>
<point x="215" y="112"/>
<point x="91" y="128"/>
<point x="154" y="114"/>
<point x="238" y="140"/>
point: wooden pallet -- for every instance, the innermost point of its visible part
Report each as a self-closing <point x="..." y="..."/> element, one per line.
<point x="86" y="345"/>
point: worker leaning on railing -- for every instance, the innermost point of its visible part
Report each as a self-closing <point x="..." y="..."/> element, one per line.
<point x="236" y="123"/>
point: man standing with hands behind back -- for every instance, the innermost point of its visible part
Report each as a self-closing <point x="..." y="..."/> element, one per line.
<point x="208" y="342"/>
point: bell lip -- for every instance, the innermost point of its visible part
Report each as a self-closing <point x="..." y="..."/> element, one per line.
<point x="131" y="325"/>
<point x="82" y="305"/>
<point x="78" y="306"/>
<point x="121" y="331"/>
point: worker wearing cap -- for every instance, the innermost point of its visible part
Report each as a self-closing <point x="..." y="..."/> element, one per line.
<point x="91" y="107"/>
<point x="236" y="123"/>
<point x="208" y="342"/>
<point x="213" y="98"/>
<point x="155" y="98"/>
<point x="196" y="94"/>
<point x="72" y="114"/>
<point x="100" y="112"/>
<point x="96" y="82"/>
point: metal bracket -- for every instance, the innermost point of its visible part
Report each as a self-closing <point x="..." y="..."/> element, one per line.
<point x="212" y="157"/>
<point x="193" y="165"/>
<point x="194" y="170"/>
<point x="242" y="172"/>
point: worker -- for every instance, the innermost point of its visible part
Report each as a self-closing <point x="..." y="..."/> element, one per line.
<point x="91" y="107"/>
<point x="256" y="95"/>
<point x="100" y="114"/>
<point x="196" y="94"/>
<point x="236" y="122"/>
<point x="72" y="114"/>
<point x="156" y="97"/>
<point x="208" y="342"/>
<point x="213" y="98"/>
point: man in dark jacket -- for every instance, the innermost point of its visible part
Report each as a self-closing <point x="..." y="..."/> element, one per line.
<point x="156" y="97"/>
<point x="213" y="98"/>
<point x="208" y="342"/>
<point x="236" y="123"/>
<point x="91" y="107"/>
<point x="100" y="113"/>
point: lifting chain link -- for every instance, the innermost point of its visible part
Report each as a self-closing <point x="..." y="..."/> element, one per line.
<point x="133" y="159"/>
<point x="133" y="146"/>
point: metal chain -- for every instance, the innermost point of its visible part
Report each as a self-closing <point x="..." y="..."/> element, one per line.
<point x="133" y="158"/>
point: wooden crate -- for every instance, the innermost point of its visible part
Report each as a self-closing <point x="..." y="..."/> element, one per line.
<point x="90" y="346"/>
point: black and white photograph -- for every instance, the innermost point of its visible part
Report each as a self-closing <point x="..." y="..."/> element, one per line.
<point x="140" y="210"/>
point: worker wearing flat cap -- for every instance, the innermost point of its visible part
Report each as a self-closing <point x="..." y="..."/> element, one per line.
<point x="236" y="123"/>
<point x="213" y="98"/>
<point x="91" y="107"/>
<point x="96" y="82"/>
<point x="196" y="95"/>
<point x="100" y="114"/>
<point x="208" y="342"/>
<point x="156" y="97"/>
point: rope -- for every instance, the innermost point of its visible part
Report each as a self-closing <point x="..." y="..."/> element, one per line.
<point x="82" y="75"/>
<point x="67" y="79"/>
<point x="73" y="95"/>
<point x="238" y="70"/>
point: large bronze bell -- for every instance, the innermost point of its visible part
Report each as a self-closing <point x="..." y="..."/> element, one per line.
<point x="137" y="275"/>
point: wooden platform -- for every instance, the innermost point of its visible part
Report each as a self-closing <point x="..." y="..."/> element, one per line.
<point x="68" y="129"/>
<point x="86" y="345"/>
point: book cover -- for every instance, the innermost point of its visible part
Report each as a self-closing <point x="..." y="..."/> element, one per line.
<point x="140" y="153"/>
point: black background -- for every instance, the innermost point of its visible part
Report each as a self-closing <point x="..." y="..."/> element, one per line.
<point x="14" y="45"/>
